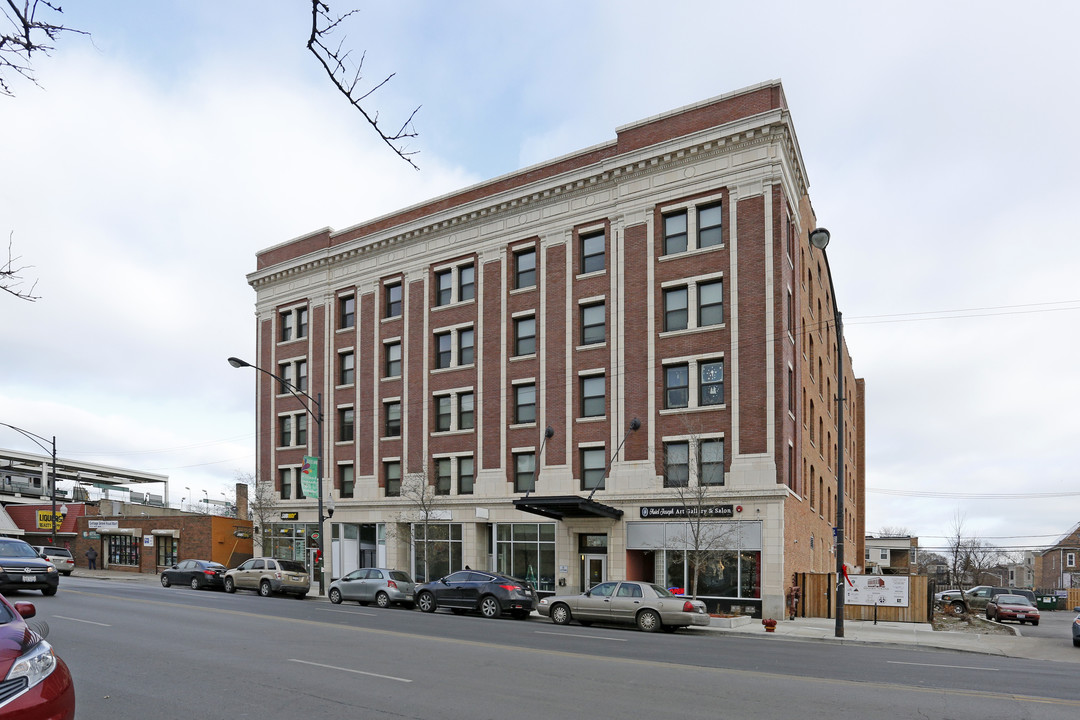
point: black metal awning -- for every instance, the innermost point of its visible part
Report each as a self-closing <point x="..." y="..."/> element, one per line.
<point x="559" y="507"/>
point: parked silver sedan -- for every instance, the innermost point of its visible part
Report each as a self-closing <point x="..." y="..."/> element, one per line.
<point x="650" y="607"/>
<point x="382" y="586"/>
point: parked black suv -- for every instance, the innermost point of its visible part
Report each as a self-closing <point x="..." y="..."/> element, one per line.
<point x="21" y="568"/>
<point x="471" y="590"/>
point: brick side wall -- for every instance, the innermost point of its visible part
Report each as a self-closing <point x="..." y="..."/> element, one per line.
<point x="635" y="315"/>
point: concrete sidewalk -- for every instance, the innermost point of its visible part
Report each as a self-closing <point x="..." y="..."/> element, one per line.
<point x="856" y="632"/>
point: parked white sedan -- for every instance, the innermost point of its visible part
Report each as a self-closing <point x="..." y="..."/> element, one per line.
<point x="650" y="607"/>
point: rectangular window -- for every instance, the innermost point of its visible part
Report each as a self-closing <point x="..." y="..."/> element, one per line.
<point x="525" y="403"/>
<point x="525" y="336"/>
<point x="675" y="309"/>
<point x="443" y="404"/>
<point x="675" y="233"/>
<point x="393" y="300"/>
<point x="286" y="326"/>
<point x="301" y="323"/>
<point x="676" y="386"/>
<point x="393" y="419"/>
<point x="347" y="311"/>
<point x="676" y="464"/>
<point x="593" y="465"/>
<point x="393" y="359"/>
<point x="593" y="398"/>
<point x="466" y="283"/>
<point x="347" y="370"/>
<point x="710" y="303"/>
<point x="285" y="437"/>
<point x="442" y="350"/>
<point x="711" y="462"/>
<point x="285" y="479"/>
<point x="444" y="287"/>
<point x="285" y="372"/>
<point x="442" y="476"/>
<point x="392" y="476"/>
<point x="709" y="226"/>
<point x="466" y="346"/>
<point x="1070" y="559"/>
<point x="465" y="475"/>
<point x="466" y="411"/>
<point x="592" y="252"/>
<point x="525" y="269"/>
<point x="712" y="383"/>
<point x="346" y="424"/>
<point x="593" y="318"/>
<point x="301" y="430"/>
<point x="346" y="480"/>
<point x="524" y="472"/>
<point x="301" y="375"/>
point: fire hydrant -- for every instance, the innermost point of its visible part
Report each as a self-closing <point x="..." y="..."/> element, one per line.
<point x="770" y="624"/>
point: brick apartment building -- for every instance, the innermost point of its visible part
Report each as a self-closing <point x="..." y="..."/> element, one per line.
<point x="664" y="277"/>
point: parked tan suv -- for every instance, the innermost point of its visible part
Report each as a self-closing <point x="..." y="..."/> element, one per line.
<point x="269" y="576"/>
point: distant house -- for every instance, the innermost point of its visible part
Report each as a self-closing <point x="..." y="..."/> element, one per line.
<point x="891" y="555"/>
<point x="1058" y="566"/>
<point x="1022" y="574"/>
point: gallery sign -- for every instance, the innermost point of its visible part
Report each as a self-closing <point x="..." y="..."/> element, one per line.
<point x="657" y="512"/>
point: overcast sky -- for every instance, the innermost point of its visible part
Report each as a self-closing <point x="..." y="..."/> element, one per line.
<point x="164" y="150"/>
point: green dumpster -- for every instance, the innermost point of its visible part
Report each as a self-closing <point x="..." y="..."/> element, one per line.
<point x="1046" y="602"/>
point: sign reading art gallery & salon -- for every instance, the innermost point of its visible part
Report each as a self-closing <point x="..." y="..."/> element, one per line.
<point x="682" y="511"/>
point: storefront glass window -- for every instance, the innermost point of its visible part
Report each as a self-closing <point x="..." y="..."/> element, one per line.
<point x="437" y="555"/>
<point x="124" y="550"/>
<point x="527" y="551"/>
<point x="167" y="551"/>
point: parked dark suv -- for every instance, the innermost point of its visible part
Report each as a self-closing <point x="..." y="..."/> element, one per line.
<point x="471" y="590"/>
<point x="21" y="568"/>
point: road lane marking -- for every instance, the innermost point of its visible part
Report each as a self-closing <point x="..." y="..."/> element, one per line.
<point x="350" y="670"/>
<point x="88" y="622"/>
<point x="954" y="667"/>
<point x="350" y="612"/>
<point x="589" y="637"/>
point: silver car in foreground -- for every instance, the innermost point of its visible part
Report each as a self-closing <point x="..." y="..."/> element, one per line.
<point x="650" y="607"/>
<point x="382" y="586"/>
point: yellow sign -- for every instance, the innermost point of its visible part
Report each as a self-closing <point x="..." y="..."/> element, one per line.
<point x="45" y="520"/>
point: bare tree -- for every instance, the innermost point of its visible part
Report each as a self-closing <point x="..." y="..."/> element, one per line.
<point x="970" y="559"/>
<point x="705" y="543"/>
<point x="32" y="27"/>
<point x="262" y="508"/>
<point x="426" y="506"/>
<point x="347" y="77"/>
<point x="890" y="531"/>
<point x="11" y="279"/>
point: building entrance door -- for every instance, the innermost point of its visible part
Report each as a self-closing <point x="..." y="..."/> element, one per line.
<point x="593" y="570"/>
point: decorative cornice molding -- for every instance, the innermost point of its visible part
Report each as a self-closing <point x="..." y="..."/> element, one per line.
<point x="739" y="140"/>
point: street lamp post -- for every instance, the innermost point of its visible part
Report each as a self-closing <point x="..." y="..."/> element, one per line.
<point x="819" y="238"/>
<point x="317" y="415"/>
<point x="38" y="440"/>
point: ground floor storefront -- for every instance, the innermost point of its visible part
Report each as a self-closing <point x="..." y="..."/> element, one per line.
<point x="733" y="564"/>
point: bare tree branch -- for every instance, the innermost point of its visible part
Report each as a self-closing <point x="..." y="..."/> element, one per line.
<point x="337" y="64"/>
<point x="24" y="35"/>
<point x="11" y="277"/>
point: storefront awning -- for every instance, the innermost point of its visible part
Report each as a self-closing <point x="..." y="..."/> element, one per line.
<point x="559" y="507"/>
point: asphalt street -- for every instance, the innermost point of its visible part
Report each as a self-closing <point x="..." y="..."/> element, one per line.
<point x="138" y="650"/>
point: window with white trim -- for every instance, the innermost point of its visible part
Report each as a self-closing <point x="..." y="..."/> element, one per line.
<point x="693" y="305"/>
<point x="593" y="396"/>
<point x="693" y="226"/>
<point x="592" y="252"/>
<point x="691" y="383"/>
<point x="294" y="324"/>
<point x="294" y="375"/>
<point x="454" y="410"/>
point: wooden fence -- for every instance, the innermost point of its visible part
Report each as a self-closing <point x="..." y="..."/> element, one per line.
<point x="818" y="599"/>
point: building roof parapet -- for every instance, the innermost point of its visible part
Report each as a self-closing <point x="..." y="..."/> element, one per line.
<point x="605" y="170"/>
